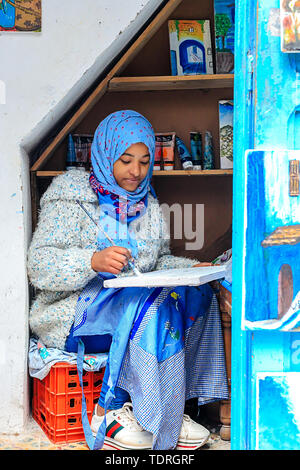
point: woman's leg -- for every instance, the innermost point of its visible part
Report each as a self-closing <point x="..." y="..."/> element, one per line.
<point x="121" y="396"/>
<point x="122" y="430"/>
<point x="99" y="344"/>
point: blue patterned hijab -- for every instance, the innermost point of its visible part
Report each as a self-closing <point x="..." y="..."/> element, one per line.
<point x="114" y="135"/>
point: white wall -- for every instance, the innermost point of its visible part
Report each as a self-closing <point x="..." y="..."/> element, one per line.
<point x="41" y="74"/>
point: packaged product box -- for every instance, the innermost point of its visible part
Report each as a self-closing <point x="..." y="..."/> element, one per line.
<point x="164" y="150"/>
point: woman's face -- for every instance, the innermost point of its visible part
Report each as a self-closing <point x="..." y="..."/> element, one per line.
<point x="132" y="167"/>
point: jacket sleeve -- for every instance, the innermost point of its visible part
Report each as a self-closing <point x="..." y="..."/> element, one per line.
<point x="56" y="259"/>
<point x="165" y="259"/>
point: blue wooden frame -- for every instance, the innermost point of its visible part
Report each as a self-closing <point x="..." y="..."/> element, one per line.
<point x="266" y="117"/>
<point x="245" y="37"/>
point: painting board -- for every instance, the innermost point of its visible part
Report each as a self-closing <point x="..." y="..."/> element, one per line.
<point x="224" y="13"/>
<point x="170" y="277"/>
<point x="190" y="47"/>
<point x="226" y="133"/>
<point x="20" y="15"/>
<point x="290" y="25"/>
<point x="271" y="297"/>
<point x="278" y="391"/>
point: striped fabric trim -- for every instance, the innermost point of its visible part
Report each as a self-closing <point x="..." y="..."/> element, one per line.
<point x="144" y="310"/>
<point x="113" y="429"/>
<point x="85" y="299"/>
<point x="150" y="311"/>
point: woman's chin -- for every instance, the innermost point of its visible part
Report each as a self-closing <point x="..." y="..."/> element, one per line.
<point x="130" y="187"/>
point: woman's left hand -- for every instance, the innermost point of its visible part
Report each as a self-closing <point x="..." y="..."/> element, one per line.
<point x="201" y="264"/>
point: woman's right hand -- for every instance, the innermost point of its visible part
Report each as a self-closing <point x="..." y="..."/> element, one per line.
<point x="110" y="260"/>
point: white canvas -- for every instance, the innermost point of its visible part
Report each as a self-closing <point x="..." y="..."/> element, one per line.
<point x="170" y="277"/>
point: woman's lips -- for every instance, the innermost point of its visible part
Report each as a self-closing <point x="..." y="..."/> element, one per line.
<point x="131" y="181"/>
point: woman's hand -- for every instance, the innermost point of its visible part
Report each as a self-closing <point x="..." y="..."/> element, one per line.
<point x="110" y="260"/>
<point x="201" y="264"/>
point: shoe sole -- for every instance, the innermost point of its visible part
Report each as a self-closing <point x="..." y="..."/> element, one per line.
<point x="112" y="444"/>
<point x="188" y="445"/>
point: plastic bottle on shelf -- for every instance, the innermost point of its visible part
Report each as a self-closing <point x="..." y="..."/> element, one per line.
<point x="184" y="154"/>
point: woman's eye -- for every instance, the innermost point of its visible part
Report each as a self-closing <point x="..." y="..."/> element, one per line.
<point x="126" y="162"/>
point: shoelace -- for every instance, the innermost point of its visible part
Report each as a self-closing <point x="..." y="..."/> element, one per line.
<point x="186" y="420"/>
<point x="127" y="415"/>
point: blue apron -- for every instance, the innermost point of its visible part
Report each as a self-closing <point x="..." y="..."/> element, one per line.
<point x="155" y="319"/>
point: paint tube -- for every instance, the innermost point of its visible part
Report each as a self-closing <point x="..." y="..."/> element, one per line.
<point x="196" y="150"/>
<point x="165" y="141"/>
<point x="208" y="156"/>
<point x="184" y="154"/>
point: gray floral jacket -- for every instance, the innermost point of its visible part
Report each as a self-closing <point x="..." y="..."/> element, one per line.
<point x="59" y="256"/>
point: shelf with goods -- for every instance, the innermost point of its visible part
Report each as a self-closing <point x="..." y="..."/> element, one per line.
<point x="180" y="111"/>
<point x="131" y="93"/>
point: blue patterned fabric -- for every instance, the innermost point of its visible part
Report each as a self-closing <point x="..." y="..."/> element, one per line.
<point x="115" y="134"/>
<point x="167" y="347"/>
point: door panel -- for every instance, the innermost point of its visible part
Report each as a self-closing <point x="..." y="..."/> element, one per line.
<point x="266" y="213"/>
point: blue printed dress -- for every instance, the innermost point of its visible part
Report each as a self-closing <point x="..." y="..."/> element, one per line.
<point x="167" y="347"/>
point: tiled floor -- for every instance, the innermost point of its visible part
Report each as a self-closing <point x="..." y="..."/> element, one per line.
<point x="35" y="439"/>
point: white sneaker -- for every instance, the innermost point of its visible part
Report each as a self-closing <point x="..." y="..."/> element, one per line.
<point x="192" y="435"/>
<point x="123" y="432"/>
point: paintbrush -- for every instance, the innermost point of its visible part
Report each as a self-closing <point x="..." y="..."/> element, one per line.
<point x="131" y="264"/>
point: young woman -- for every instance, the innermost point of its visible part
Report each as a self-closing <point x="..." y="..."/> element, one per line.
<point x="164" y="345"/>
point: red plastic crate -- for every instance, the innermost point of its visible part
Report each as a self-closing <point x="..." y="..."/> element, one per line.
<point x="56" y="404"/>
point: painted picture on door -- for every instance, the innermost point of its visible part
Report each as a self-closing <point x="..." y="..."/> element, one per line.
<point x="280" y="392"/>
<point x="272" y="241"/>
<point x="290" y="25"/>
<point x="20" y="15"/>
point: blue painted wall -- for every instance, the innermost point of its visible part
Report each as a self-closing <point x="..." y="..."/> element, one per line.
<point x="267" y="117"/>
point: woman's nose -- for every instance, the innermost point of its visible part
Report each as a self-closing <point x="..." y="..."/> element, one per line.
<point x="135" y="169"/>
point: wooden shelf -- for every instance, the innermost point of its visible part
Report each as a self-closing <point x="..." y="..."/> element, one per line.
<point x="185" y="82"/>
<point x="193" y="173"/>
<point x="52" y="173"/>
<point x="49" y="173"/>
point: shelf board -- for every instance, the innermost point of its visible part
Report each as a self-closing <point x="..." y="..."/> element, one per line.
<point x="185" y="82"/>
<point x="52" y="173"/>
<point x="218" y="172"/>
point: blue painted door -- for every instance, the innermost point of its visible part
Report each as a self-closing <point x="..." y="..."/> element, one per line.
<point x="266" y="237"/>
